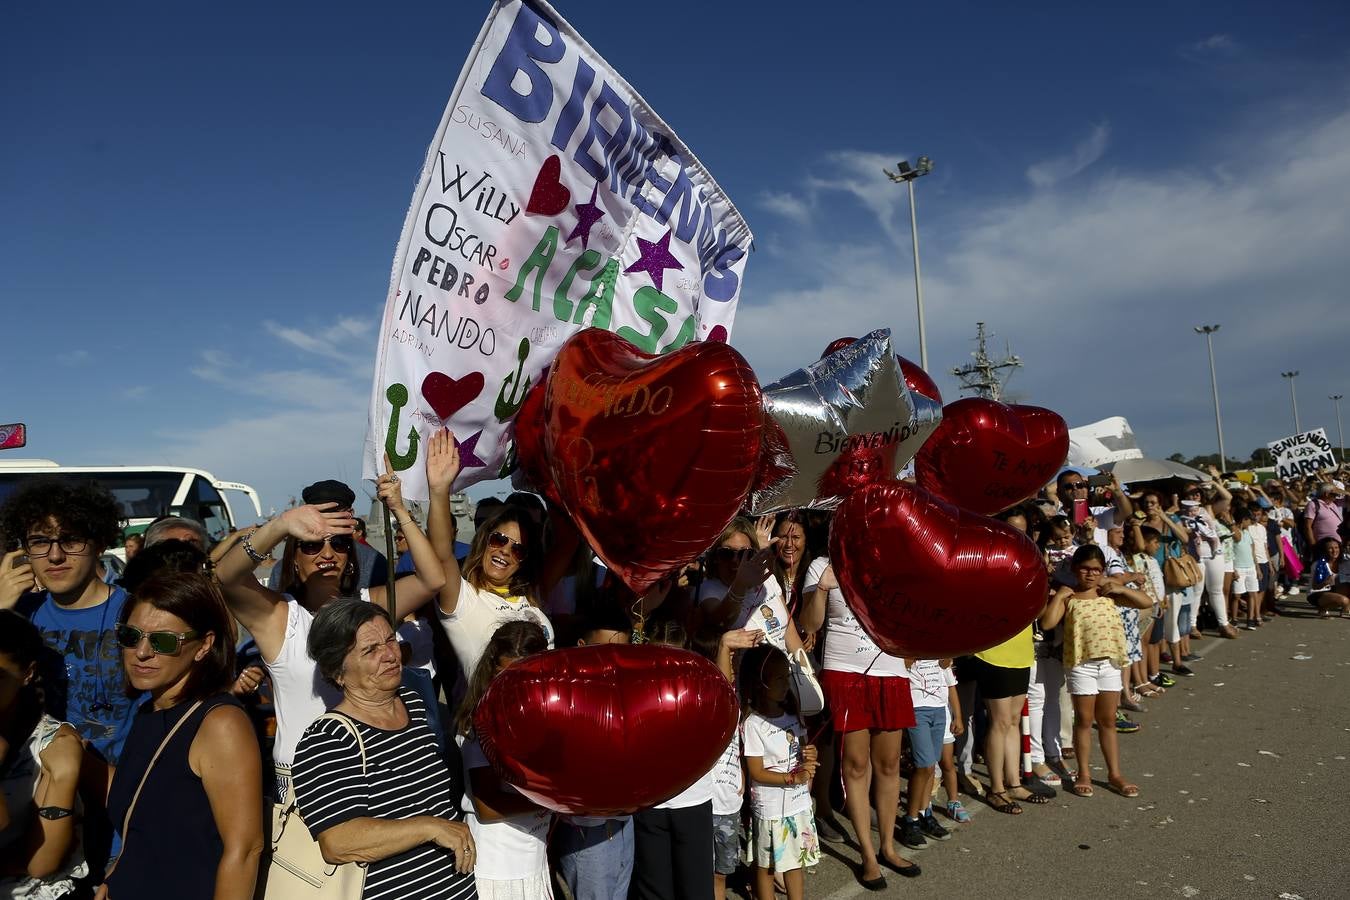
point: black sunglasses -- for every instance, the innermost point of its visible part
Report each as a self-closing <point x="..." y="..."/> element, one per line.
<point x="165" y="643"/>
<point x="1076" y="485"/>
<point x="341" y="543"/>
<point x="497" y="541"/>
<point x="727" y="554"/>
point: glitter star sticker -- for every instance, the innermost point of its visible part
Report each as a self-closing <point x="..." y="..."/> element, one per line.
<point x="655" y="259"/>
<point x="468" y="458"/>
<point x="587" y="215"/>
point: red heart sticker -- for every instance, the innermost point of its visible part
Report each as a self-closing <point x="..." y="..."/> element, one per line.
<point x="651" y="455"/>
<point x="986" y="457"/>
<point x="447" y="395"/>
<point x="549" y="196"/>
<point x="927" y="580"/>
<point x="606" y="730"/>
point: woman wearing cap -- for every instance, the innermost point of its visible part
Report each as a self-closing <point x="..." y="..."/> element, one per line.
<point x="318" y="566"/>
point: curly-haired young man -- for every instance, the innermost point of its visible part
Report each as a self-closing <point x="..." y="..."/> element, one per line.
<point x="62" y="528"/>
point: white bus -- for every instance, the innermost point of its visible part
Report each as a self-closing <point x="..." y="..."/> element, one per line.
<point x="145" y="492"/>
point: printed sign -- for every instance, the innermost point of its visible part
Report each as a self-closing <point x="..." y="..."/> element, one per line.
<point x="552" y="198"/>
<point x="1303" y="454"/>
<point x="13" y="436"/>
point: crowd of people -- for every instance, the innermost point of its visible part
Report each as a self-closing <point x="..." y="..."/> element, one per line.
<point x="166" y="729"/>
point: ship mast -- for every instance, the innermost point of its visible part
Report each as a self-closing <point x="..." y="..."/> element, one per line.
<point x="983" y="376"/>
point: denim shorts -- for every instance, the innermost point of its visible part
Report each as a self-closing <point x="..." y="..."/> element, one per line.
<point x="726" y="843"/>
<point x="925" y="737"/>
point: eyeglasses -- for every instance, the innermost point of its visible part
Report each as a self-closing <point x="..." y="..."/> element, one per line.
<point x="165" y="643"/>
<point x="497" y="541"/>
<point x="38" y="546"/>
<point x="341" y="543"/>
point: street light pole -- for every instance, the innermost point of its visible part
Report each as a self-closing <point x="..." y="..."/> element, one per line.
<point x="907" y="173"/>
<point x="1208" y="332"/>
<point x="1336" y="399"/>
<point x="1293" y="395"/>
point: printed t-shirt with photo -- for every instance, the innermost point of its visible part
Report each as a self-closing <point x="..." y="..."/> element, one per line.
<point x="778" y="742"/>
<point x="762" y="609"/>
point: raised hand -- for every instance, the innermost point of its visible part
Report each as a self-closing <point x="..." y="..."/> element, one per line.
<point x="754" y="570"/>
<point x="764" y="530"/>
<point x="389" y="489"/>
<point x="16" y="578"/>
<point x="442" y="452"/>
<point x="314" y="522"/>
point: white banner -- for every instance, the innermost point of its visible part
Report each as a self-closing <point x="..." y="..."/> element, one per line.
<point x="1303" y="454"/>
<point x="552" y="198"/>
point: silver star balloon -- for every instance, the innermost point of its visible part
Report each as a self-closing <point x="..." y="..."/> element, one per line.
<point x="837" y="424"/>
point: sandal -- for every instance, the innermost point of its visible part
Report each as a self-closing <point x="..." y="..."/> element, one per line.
<point x="1081" y="790"/>
<point x="1006" y="805"/>
<point x="1124" y="789"/>
<point x="1035" y="798"/>
<point x="1148" y="690"/>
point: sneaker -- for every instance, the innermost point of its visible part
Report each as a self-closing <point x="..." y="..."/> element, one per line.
<point x="1124" y="725"/>
<point x="930" y="826"/>
<point x="957" y="812"/>
<point x="1192" y="657"/>
<point x="828" y="831"/>
<point x="1165" y="657"/>
<point x="1293" y="591"/>
<point x="1182" y="671"/>
<point x="911" y="835"/>
<point x="1163" y="680"/>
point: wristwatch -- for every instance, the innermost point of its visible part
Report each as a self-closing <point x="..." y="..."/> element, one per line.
<point x="54" y="812"/>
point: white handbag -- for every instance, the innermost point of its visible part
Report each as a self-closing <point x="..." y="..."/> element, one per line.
<point x="810" y="698"/>
<point x="296" y="869"/>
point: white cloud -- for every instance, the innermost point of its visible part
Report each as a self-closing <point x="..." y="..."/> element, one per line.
<point x="335" y="341"/>
<point x="793" y="208"/>
<point x="1049" y="172"/>
<point x="858" y="174"/>
<point x="73" y="357"/>
<point x="1097" y="281"/>
<point x="1214" y="44"/>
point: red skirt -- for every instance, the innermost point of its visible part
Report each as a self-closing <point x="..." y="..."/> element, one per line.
<point x="860" y="702"/>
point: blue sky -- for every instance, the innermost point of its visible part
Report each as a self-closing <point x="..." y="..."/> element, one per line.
<point x="200" y="205"/>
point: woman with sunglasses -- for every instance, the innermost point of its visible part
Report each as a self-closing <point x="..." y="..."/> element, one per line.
<point x="740" y="589"/>
<point x="186" y="797"/>
<point x="1094" y="654"/>
<point x="318" y="566"/>
<point x="499" y="583"/>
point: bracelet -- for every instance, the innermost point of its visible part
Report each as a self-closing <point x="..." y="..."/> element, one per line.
<point x="248" y="548"/>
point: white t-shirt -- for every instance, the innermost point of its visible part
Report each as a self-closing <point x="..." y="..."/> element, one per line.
<point x="299" y="695"/>
<point x="773" y="621"/>
<point x="778" y="742"/>
<point x="728" y="781"/>
<point x="508" y="849"/>
<point x="699" y="792"/>
<point x="1260" y="549"/>
<point x="478" y="615"/>
<point x="928" y="683"/>
<point x="847" y="646"/>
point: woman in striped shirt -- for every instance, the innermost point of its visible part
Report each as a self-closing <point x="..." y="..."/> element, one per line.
<point x="371" y="784"/>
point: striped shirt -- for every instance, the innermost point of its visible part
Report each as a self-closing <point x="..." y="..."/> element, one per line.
<point x="404" y="777"/>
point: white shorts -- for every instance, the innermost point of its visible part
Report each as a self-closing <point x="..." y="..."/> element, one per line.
<point x="947" y="736"/>
<point x="1246" y="581"/>
<point x="1096" y="676"/>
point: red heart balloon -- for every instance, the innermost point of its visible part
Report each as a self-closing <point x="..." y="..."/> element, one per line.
<point x="549" y="195"/>
<point x="919" y="381"/>
<point x="927" y="580"/>
<point x="531" y="456"/>
<point x="606" y="730"/>
<point x="986" y="456"/>
<point x="652" y="456"/>
<point x="447" y="395"/>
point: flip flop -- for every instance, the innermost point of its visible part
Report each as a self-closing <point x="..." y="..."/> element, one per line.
<point x="1125" y="790"/>
<point x="1081" y="790"/>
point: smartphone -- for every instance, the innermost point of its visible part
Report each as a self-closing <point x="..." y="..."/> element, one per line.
<point x="1098" y="481"/>
<point x="1081" y="513"/>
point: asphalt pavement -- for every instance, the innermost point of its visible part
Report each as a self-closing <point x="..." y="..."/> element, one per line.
<point x="1242" y="773"/>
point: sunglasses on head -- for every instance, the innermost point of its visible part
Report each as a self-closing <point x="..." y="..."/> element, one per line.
<point x="340" y="543"/>
<point x="497" y="541"/>
<point x="165" y="643"/>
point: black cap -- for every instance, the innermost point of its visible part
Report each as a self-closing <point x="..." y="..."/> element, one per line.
<point x="329" y="491"/>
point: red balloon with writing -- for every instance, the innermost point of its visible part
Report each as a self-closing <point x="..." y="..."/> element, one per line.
<point x="651" y="455"/>
<point x="928" y="580"/>
<point x="988" y="456"/>
<point x="606" y="730"/>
